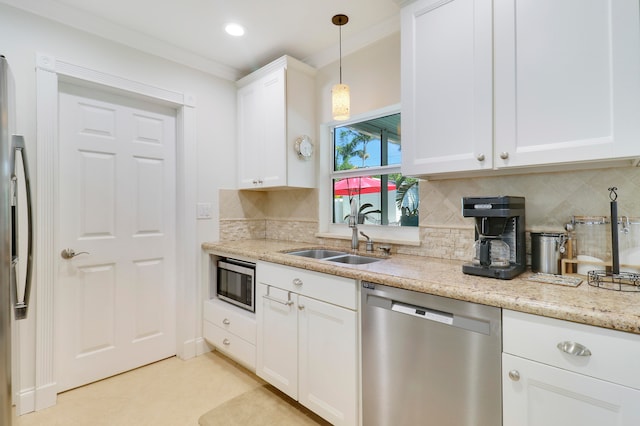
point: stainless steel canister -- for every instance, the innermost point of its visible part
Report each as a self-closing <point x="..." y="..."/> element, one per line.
<point x="546" y="251"/>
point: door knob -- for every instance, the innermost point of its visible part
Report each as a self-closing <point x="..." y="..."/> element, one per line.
<point x="70" y="253"/>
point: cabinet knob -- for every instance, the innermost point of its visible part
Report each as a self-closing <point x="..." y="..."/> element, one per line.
<point x="573" y="348"/>
<point x="301" y="307"/>
<point x="504" y="155"/>
<point x="480" y="157"/>
<point x="297" y="282"/>
<point x="514" y="375"/>
<point x="226" y="342"/>
<point x="226" y="321"/>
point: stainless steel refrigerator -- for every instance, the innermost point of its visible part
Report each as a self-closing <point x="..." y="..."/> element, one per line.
<point x="15" y="195"/>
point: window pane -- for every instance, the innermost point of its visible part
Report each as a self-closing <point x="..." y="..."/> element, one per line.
<point x="369" y="143"/>
<point x="395" y="206"/>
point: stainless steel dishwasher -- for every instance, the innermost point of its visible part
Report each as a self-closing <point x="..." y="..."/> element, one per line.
<point x="429" y="360"/>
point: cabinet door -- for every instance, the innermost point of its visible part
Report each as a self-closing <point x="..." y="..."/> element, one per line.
<point x="251" y="147"/>
<point x="274" y="134"/>
<point x="567" y="81"/>
<point x="277" y="338"/>
<point x="549" y="396"/>
<point x="446" y="86"/>
<point x="327" y="357"/>
<point x="262" y="132"/>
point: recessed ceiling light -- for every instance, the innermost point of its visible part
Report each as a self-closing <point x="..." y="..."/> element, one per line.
<point x="234" y="30"/>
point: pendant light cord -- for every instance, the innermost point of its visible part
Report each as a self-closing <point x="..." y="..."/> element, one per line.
<point x="340" y="20"/>
<point x="340" y="54"/>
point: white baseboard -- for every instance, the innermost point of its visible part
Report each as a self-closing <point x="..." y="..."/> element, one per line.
<point x="25" y="401"/>
<point x="202" y="347"/>
<point x="46" y="396"/>
<point x="31" y="399"/>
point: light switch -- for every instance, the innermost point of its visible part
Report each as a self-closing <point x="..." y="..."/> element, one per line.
<point x="203" y="211"/>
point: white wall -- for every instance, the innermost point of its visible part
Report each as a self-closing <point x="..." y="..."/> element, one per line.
<point x="23" y="34"/>
<point x="373" y="76"/>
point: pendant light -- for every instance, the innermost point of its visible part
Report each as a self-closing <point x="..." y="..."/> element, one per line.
<point x="340" y="99"/>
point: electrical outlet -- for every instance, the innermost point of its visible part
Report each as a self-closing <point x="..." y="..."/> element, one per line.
<point x="204" y="210"/>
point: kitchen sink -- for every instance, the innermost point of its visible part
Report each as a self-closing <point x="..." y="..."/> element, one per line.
<point x="318" y="253"/>
<point x="353" y="259"/>
<point x="335" y="256"/>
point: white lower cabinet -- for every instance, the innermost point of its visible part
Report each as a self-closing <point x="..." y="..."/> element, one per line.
<point x="307" y="347"/>
<point x="549" y="396"/>
<point x="549" y="378"/>
<point x="231" y="331"/>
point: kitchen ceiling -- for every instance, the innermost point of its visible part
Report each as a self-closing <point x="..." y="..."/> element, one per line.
<point x="192" y="31"/>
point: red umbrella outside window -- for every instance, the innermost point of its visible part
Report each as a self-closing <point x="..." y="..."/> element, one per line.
<point x="360" y="185"/>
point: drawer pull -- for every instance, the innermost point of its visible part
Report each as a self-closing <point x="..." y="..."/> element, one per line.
<point x="226" y="342"/>
<point x="282" y="302"/>
<point x="573" y="348"/>
<point x="514" y="375"/>
<point x="288" y="302"/>
<point x="297" y="281"/>
<point x="226" y="321"/>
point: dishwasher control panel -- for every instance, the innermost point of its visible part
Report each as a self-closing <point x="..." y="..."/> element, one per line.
<point x="416" y="311"/>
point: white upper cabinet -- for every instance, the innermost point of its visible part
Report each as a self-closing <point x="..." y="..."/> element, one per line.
<point x="519" y="83"/>
<point x="276" y="105"/>
<point x="567" y="81"/>
<point x="446" y="86"/>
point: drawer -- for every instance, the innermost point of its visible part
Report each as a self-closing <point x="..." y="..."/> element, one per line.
<point x="231" y="345"/>
<point x="328" y="288"/>
<point x="614" y="354"/>
<point x="230" y="318"/>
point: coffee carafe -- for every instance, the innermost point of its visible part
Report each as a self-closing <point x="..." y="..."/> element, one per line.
<point x="499" y="248"/>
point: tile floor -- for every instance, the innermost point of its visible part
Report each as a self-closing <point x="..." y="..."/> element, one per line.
<point x="171" y="392"/>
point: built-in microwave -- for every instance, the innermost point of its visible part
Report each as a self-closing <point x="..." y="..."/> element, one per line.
<point x="236" y="282"/>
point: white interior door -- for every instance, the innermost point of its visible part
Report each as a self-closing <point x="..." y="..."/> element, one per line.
<point x="114" y="304"/>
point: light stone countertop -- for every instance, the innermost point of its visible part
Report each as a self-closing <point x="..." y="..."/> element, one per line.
<point x="583" y="304"/>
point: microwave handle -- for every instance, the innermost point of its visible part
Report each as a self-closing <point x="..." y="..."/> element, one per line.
<point x="236" y="268"/>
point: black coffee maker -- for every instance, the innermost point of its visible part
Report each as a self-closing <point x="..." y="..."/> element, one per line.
<point x="499" y="249"/>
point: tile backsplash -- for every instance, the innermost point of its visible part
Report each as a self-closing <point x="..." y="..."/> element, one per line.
<point x="551" y="200"/>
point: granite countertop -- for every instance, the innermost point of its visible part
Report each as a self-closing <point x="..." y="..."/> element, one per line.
<point x="583" y="304"/>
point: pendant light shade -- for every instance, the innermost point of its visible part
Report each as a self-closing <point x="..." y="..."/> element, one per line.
<point x="340" y="97"/>
<point x="340" y="101"/>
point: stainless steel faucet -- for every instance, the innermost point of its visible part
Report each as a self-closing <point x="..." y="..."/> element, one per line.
<point x="353" y="224"/>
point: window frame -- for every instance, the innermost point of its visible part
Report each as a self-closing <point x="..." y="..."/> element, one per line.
<point x="409" y="235"/>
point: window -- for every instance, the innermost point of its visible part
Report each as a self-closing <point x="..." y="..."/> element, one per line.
<point x="366" y="167"/>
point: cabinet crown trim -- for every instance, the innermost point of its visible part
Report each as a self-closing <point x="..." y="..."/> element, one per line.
<point x="285" y="62"/>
